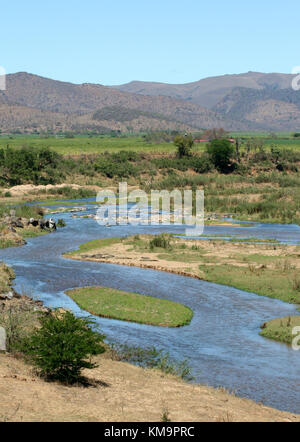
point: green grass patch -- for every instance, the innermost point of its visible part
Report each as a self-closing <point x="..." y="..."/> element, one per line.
<point x="86" y="145"/>
<point x="29" y="233"/>
<point x="67" y="203"/>
<point x="5" y="243"/>
<point x="22" y="211"/>
<point x="94" y="245"/>
<point x="255" y="240"/>
<point x="280" y="329"/>
<point x="132" y="307"/>
<point x="274" y="283"/>
<point x="6" y="277"/>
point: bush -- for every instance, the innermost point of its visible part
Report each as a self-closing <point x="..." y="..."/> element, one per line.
<point x="243" y="169"/>
<point x="184" y="146"/>
<point x="117" y="165"/>
<point x="29" y="164"/>
<point x="221" y="153"/>
<point x="202" y="164"/>
<point x="69" y="192"/>
<point x="61" y="346"/>
<point x="162" y="241"/>
<point x="61" y="223"/>
<point x="18" y="320"/>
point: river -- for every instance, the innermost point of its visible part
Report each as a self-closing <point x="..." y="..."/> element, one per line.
<point x="221" y="344"/>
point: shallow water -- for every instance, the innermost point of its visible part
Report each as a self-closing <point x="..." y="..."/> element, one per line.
<point x="222" y="344"/>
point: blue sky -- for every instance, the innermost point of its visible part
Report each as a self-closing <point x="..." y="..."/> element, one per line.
<point x="114" y="42"/>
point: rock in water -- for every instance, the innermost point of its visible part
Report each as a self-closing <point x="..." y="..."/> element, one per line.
<point x="2" y="339"/>
<point x="8" y="295"/>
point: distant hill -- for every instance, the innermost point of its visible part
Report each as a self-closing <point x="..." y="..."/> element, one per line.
<point x="252" y="101"/>
<point x="276" y="109"/>
<point x="209" y="91"/>
<point x="72" y="105"/>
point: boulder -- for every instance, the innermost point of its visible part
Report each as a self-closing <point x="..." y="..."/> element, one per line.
<point x="8" y="295"/>
<point x="18" y="223"/>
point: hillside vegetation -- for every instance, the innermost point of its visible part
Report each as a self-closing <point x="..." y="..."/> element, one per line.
<point x="261" y="183"/>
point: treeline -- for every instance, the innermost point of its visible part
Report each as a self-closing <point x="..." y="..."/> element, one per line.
<point x="44" y="166"/>
<point x="29" y="165"/>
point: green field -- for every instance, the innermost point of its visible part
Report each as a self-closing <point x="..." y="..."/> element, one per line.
<point x="86" y="145"/>
<point x="283" y="143"/>
<point x="264" y="134"/>
<point x="100" y="144"/>
<point x="132" y="307"/>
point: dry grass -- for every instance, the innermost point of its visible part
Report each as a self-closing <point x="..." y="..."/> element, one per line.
<point x="121" y="392"/>
<point x="6" y="276"/>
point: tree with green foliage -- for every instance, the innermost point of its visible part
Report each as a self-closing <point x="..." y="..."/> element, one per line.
<point x="29" y="164"/>
<point x="221" y="153"/>
<point x="184" y="145"/>
<point x="62" y="346"/>
<point x="118" y="164"/>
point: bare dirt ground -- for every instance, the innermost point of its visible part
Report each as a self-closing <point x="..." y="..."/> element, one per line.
<point x="121" y="392"/>
<point x="29" y="192"/>
<point x="24" y="189"/>
<point x="226" y="252"/>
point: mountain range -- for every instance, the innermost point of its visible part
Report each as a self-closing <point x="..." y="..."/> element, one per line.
<point x="251" y="101"/>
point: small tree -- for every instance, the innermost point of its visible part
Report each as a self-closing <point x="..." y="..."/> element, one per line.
<point x="184" y="146"/>
<point x="221" y="153"/>
<point x="61" y="346"/>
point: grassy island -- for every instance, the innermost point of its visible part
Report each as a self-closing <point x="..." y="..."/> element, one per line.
<point x="266" y="269"/>
<point x="281" y="329"/>
<point x="132" y="307"/>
